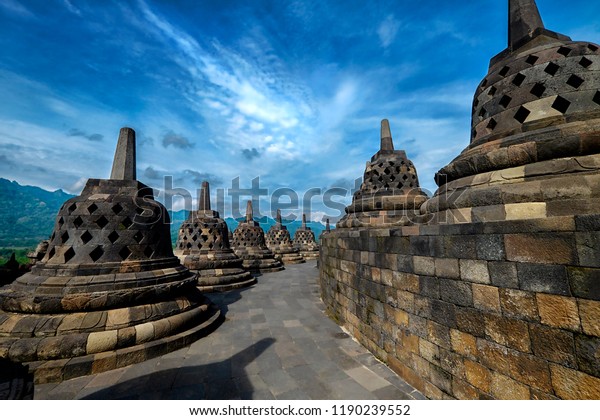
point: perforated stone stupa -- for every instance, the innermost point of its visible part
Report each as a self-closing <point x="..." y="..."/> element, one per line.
<point x="304" y="241"/>
<point x="203" y="247"/>
<point x="249" y="244"/>
<point x="109" y="291"/>
<point x="390" y="193"/>
<point x="279" y="241"/>
<point x="535" y="133"/>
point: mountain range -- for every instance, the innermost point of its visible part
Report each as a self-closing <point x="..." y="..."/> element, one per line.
<point x="28" y="213"/>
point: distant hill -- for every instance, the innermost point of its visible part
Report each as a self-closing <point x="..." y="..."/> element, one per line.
<point x="27" y="213"/>
<point x="27" y="216"/>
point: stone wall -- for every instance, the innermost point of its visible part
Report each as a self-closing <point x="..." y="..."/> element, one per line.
<point x="506" y="310"/>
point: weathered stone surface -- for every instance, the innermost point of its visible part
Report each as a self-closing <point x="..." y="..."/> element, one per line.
<point x="475" y="271"/>
<point x="588" y="248"/>
<point x="589" y="313"/>
<point x="574" y="385"/>
<point x="553" y="344"/>
<point x="518" y="304"/>
<point x="463" y="391"/>
<point x="478" y="376"/>
<point x="447" y="268"/>
<point x="490" y="247"/>
<point x="486" y="298"/>
<point x="585" y="282"/>
<point x="587" y="350"/>
<point x="470" y="320"/>
<point x="503" y="274"/>
<point x="558" y="311"/>
<point x="508" y="332"/>
<point x="543" y="278"/>
<point x="549" y="249"/>
<point x="505" y="388"/>
<point x="521" y="367"/>
<point x="457" y="292"/>
<point x="424" y="265"/>
<point x="463" y="343"/>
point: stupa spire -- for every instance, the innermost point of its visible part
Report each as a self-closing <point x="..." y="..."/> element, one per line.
<point x="303" y="221"/>
<point x="386" y="136"/>
<point x="249" y="215"/>
<point x="204" y="202"/>
<point x="278" y="219"/>
<point x="124" y="162"/>
<point x="523" y="19"/>
<point x="327" y="226"/>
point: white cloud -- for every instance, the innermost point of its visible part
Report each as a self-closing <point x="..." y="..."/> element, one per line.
<point x="71" y="8"/>
<point x="387" y="30"/>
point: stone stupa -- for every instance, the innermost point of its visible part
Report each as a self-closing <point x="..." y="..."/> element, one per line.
<point x="108" y="292"/>
<point x="203" y="247"/>
<point x="278" y="240"/>
<point x="535" y="131"/>
<point x="249" y="244"/>
<point x="304" y="241"/>
<point x="390" y="193"/>
<point x="327" y="229"/>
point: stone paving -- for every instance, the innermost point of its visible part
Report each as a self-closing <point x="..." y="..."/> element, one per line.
<point x="275" y="343"/>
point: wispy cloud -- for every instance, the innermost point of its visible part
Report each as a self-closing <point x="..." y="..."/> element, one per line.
<point x="71" y="8"/>
<point x="253" y="99"/>
<point x="16" y="8"/>
<point x="387" y="30"/>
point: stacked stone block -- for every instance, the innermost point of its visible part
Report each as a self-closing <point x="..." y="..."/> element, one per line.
<point x="495" y="292"/>
<point x="476" y="310"/>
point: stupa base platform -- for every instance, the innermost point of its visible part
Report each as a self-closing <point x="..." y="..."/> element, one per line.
<point x="262" y="266"/>
<point x="63" y="369"/>
<point x="78" y="348"/>
<point x="224" y="282"/>
<point x="310" y="255"/>
<point x="293" y="258"/>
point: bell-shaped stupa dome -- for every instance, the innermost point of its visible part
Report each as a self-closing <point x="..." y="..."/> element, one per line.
<point x="203" y="247"/>
<point x="109" y="291"/>
<point x="536" y="117"/>
<point x="249" y="244"/>
<point x="390" y="192"/>
<point x="304" y="241"/>
<point x="279" y="241"/>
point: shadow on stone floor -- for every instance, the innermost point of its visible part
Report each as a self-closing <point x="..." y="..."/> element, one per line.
<point x="224" y="299"/>
<point x="221" y="380"/>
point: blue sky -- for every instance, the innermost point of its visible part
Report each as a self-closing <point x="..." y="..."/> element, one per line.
<point x="288" y="91"/>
